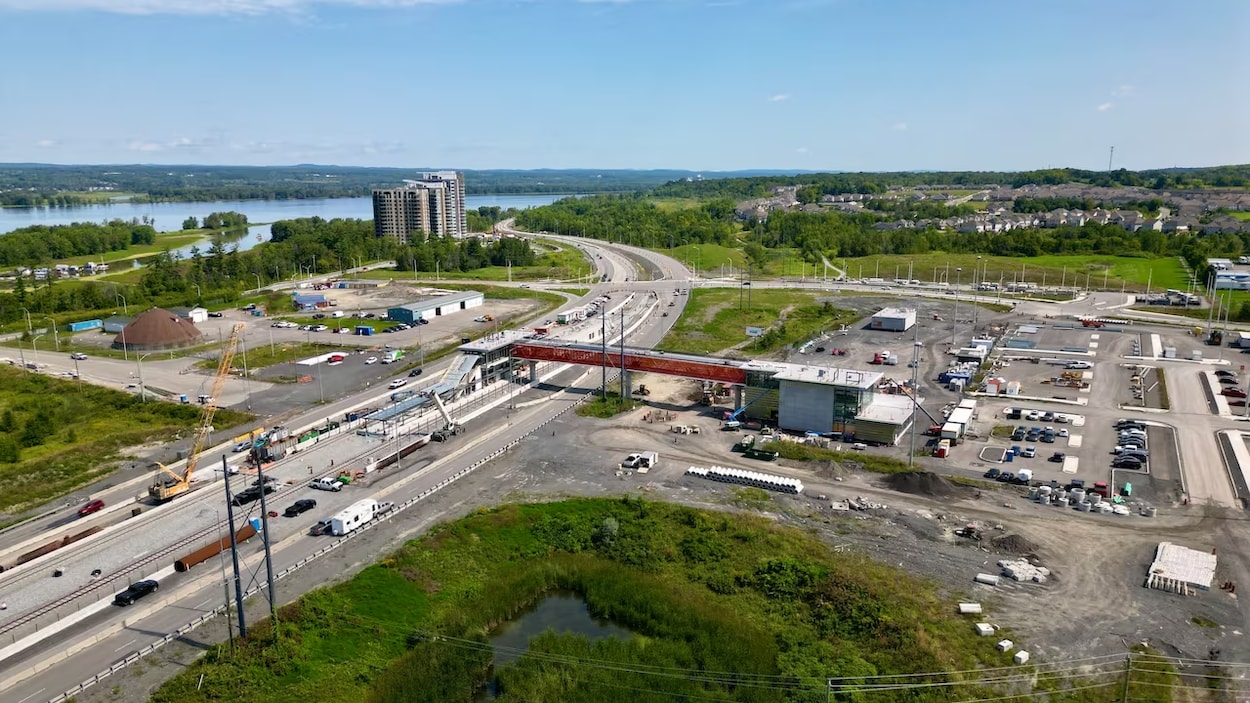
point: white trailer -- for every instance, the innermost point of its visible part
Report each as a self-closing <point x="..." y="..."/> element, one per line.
<point x="353" y="517"/>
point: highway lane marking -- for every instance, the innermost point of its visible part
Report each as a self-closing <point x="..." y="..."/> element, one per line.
<point x="32" y="695"/>
<point x="203" y="603"/>
<point x="125" y="645"/>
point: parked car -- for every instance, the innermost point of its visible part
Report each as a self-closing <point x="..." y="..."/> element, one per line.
<point x="1029" y="452"/>
<point x="1223" y="373"/>
<point x="415" y="372"/>
<point x="1057" y="457"/>
<point x="371" y="360"/>
<point x="91" y="507"/>
<point x="137" y="590"/>
<point x="250" y="495"/>
<point x="1127" y="462"/>
<point x="1005" y="476"/>
<point x="992" y="473"/>
<point x="1224" y="380"/>
<point x="1063" y="432"/>
<point x="300" y="506"/>
<point x="216" y="314"/>
<point x="242" y="446"/>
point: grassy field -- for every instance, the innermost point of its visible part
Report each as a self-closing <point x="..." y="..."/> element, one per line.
<point x="1162" y="273"/>
<point x="1241" y="215"/>
<point x="676" y="203"/>
<point x="702" y="591"/>
<point x="58" y="435"/>
<point x="164" y="240"/>
<point x="713" y="320"/>
<point x="708" y="257"/>
<point x="848" y="459"/>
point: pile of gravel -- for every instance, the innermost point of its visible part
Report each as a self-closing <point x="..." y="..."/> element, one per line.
<point x="923" y="483"/>
<point x="1014" y="544"/>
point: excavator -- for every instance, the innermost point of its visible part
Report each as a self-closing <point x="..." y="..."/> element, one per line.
<point x="168" y="483"/>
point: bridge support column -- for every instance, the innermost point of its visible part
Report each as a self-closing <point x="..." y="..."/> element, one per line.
<point x="533" y="369"/>
<point x="626" y="389"/>
<point x="737" y="397"/>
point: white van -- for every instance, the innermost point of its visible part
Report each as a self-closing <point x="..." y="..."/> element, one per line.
<point x="336" y="313"/>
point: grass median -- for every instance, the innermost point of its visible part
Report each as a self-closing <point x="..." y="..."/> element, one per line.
<point x="717" y="318"/>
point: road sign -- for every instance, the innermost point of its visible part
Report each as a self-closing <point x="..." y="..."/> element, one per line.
<point x="755" y="331"/>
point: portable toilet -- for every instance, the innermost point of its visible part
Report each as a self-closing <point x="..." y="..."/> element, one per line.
<point x="1128" y="489"/>
<point x="183" y="399"/>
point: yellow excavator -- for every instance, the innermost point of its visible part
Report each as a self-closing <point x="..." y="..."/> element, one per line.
<point x="170" y="484"/>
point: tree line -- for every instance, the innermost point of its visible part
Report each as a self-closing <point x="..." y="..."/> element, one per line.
<point x="1149" y="206"/>
<point x="632" y="219"/>
<point x="38" y="244"/>
<point x="869" y="183"/>
<point x="217" y="220"/>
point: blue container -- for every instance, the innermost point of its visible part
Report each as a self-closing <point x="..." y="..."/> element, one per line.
<point x="86" y="325"/>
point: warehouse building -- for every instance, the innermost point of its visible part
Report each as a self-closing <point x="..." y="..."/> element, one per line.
<point x="893" y="319"/>
<point x="435" y="307"/>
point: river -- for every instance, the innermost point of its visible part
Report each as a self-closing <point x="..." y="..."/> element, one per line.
<point x="170" y="216"/>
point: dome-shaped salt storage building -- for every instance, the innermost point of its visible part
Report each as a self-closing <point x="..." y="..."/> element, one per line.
<point x="156" y="330"/>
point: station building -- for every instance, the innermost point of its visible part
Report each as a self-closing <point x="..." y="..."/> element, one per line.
<point x="435" y="307"/>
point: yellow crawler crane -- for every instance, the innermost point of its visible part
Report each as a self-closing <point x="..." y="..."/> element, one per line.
<point x="170" y="484"/>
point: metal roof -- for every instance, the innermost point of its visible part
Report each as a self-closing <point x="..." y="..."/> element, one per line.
<point x="439" y="302"/>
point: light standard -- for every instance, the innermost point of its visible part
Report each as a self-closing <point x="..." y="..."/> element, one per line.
<point x="258" y="285"/>
<point x="125" y="307"/>
<point x="28" y="325"/>
<point x="955" y="317"/>
<point x="199" y="294"/>
<point x="56" y="336"/>
<point x="975" y="272"/>
<point x="34" y="343"/>
<point x="915" y="394"/>
<point x="143" y="396"/>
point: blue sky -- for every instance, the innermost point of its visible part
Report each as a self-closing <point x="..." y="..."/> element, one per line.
<point x="698" y="84"/>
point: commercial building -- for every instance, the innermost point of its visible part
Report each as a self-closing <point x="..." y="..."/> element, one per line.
<point x="893" y="319"/>
<point x="430" y="206"/>
<point x="435" y="307"/>
<point x="156" y="330"/>
<point x="195" y="314"/>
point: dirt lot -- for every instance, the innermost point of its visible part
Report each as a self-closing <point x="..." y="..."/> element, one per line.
<point x="1093" y="604"/>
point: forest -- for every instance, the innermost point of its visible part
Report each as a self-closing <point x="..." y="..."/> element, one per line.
<point x="45" y="243"/>
<point x="220" y="272"/>
<point x="43" y="185"/>
<point x="840" y="183"/>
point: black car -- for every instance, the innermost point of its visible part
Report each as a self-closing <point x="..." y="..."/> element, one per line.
<point x="216" y="314"/>
<point x="137" y="590"/>
<point x="249" y="495"/>
<point x="1005" y="476"/>
<point x="992" y="473"/>
<point x="415" y="372"/>
<point x="300" y="506"/>
<point x="1225" y="380"/>
<point x="1225" y="374"/>
<point x="1057" y="457"/>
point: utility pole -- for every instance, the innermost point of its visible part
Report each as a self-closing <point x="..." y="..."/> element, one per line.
<point x="624" y="391"/>
<point x="603" y="340"/>
<point x="915" y="394"/>
<point x="221" y="560"/>
<point x="234" y="549"/>
<point x="264" y="528"/>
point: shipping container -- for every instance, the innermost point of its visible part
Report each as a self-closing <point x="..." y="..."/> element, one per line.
<point x="86" y="325"/>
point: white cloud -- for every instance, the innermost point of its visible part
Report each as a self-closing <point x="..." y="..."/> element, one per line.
<point x="1105" y="106"/>
<point x="45" y="143"/>
<point x="1122" y="92"/>
<point x="778" y="97"/>
<point x="801" y="150"/>
<point x="900" y="126"/>
<point x="202" y="7"/>
<point x="138" y="145"/>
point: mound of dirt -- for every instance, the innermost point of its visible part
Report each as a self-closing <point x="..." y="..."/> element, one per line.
<point x="922" y="483"/>
<point x="1014" y="544"/>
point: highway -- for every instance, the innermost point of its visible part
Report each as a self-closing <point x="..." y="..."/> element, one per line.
<point x="102" y="635"/>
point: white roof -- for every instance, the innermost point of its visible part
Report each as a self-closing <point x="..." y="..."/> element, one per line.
<point x="895" y="312"/>
<point x="823" y="375"/>
<point x="1183" y="564"/>
<point x="888" y="409"/>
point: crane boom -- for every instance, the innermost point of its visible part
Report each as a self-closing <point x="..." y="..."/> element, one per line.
<point x="164" y="490"/>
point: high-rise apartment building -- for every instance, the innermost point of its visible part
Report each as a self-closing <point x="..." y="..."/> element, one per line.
<point x="430" y="206"/>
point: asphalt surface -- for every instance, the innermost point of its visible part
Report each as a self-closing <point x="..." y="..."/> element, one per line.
<point x="118" y="631"/>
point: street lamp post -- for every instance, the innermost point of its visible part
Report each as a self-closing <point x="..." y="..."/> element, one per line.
<point x="975" y="273"/>
<point x="125" y="307"/>
<point x="258" y="285"/>
<point x="199" y="294"/>
<point x="29" y="327"/>
<point x="34" y="343"/>
<point x="143" y="395"/>
<point x="56" y="336"/>
<point x="955" y="317"/>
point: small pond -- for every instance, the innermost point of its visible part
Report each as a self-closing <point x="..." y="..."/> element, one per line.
<point x="562" y="613"/>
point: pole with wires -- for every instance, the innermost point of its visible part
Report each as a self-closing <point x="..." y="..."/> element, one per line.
<point x="234" y="549"/>
<point x="264" y="526"/>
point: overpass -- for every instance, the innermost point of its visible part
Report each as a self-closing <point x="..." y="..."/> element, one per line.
<point x="700" y="368"/>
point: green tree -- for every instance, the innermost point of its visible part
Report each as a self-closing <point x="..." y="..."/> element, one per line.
<point x="191" y="223"/>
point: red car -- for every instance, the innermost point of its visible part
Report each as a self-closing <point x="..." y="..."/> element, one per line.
<point x="91" y="507"/>
<point x="1233" y="393"/>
